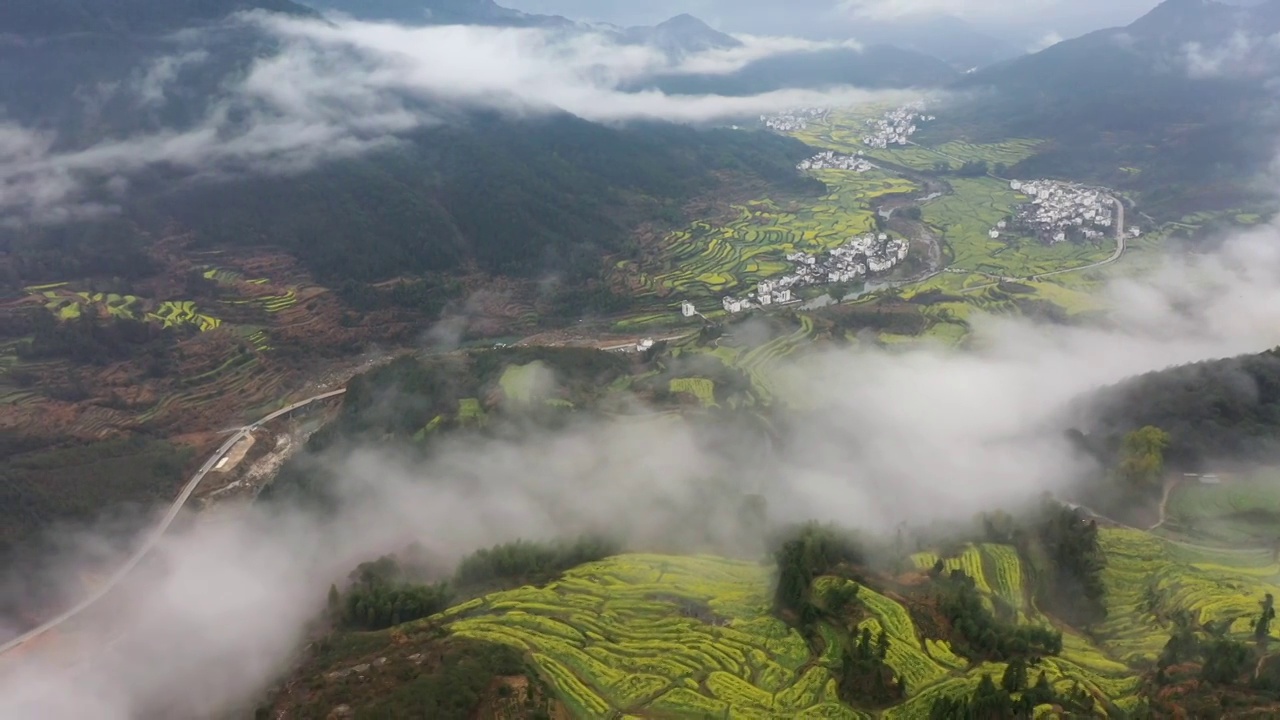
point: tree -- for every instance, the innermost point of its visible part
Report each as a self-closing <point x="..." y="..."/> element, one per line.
<point x="1262" y="629"/>
<point x="1142" y="457"/>
<point x="335" y="599"/>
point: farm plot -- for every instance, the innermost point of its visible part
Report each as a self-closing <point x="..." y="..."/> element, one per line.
<point x="183" y="312"/>
<point x="954" y="154"/>
<point x="1242" y="511"/>
<point x="701" y="388"/>
<point x="965" y="217"/>
<point x="525" y="383"/>
<point x="660" y="635"/>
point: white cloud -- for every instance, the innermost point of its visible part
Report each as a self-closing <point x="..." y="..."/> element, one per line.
<point x="728" y="60"/>
<point x="1241" y="54"/>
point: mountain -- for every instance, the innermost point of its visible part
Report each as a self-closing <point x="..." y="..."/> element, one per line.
<point x="40" y="18"/>
<point x="1184" y="92"/>
<point x="681" y="35"/>
<point x="950" y="39"/>
<point x="442" y="12"/>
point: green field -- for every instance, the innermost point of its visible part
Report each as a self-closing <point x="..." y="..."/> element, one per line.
<point x="701" y="388"/>
<point x="843" y="132"/>
<point x="523" y="383"/>
<point x="1241" y="511"/>
<point x="964" y="218"/>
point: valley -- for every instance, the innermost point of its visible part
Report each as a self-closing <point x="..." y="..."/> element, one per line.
<point x="433" y="358"/>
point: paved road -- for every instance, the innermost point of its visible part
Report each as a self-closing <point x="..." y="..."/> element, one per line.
<point x="164" y="524"/>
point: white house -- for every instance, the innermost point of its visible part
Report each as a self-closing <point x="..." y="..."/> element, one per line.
<point x="644" y="345"/>
<point x="687" y="309"/>
<point x="995" y="234"/>
<point x="1015" y="185"/>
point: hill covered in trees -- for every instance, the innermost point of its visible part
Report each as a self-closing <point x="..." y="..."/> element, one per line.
<point x="1216" y="413"/>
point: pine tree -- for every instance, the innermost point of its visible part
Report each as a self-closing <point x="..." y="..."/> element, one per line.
<point x="1262" y="629"/>
<point x="882" y="645"/>
<point x="1015" y="676"/>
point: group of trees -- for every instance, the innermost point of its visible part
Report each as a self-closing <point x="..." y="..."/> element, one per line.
<point x="391" y="590"/>
<point x="982" y="634"/>
<point x="1072" y="588"/>
<point x="1013" y="699"/>
<point x="865" y="674"/>
<point x="525" y="563"/>
<point x="91" y="339"/>
<point x="1061" y="548"/>
<point x="804" y="555"/>
<point x="1223" y="661"/>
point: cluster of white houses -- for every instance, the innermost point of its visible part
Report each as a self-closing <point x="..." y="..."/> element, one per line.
<point x="896" y="126"/>
<point x="831" y="160"/>
<point x="768" y="292"/>
<point x="1059" y="211"/>
<point x="793" y="120"/>
<point x="860" y="256"/>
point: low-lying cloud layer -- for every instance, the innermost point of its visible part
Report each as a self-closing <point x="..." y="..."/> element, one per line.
<point x="875" y="438"/>
<point x="338" y="89"/>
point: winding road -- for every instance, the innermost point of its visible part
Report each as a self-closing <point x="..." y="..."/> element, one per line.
<point x="158" y="531"/>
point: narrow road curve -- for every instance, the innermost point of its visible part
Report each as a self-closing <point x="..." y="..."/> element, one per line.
<point x="165" y="522"/>
<point x="1120" y="246"/>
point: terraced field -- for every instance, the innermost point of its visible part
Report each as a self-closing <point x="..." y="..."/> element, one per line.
<point x="183" y="312"/>
<point x="664" y="636"/>
<point x="1145" y="573"/>
<point x="762" y="362"/>
<point x="661" y="636"/>
<point x="705" y="261"/>
<point x="68" y="304"/>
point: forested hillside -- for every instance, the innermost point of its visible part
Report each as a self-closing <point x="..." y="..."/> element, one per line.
<point x="1221" y="411"/>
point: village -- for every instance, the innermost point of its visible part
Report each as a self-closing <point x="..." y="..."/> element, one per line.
<point x="831" y="160"/>
<point x="858" y="257"/>
<point x="794" y="120"/>
<point x="896" y="126"/>
<point x="1060" y="211"/>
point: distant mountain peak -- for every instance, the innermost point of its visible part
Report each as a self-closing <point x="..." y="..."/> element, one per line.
<point x="682" y="34"/>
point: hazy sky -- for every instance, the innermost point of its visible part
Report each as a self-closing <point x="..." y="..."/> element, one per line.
<point x="822" y="17"/>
